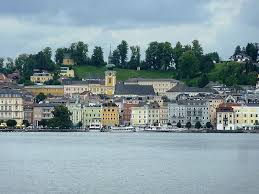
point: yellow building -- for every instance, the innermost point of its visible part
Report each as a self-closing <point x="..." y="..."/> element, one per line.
<point x="11" y="105"/>
<point x="161" y="86"/>
<point x="106" y="86"/>
<point x="139" y="116"/>
<point x="110" y="114"/>
<point x="41" y="77"/>
<point x="246" y="116"/>
<point x="67" y="60"/>
<point x="55" y="90"/>
<point x="65" y="71"/>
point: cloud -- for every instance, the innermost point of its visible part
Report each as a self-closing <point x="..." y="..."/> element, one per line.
<point x="30" y="25"/>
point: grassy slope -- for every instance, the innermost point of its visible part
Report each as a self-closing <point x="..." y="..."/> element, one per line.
<point x="122" y="74"/>
<point x="214" y="73"/>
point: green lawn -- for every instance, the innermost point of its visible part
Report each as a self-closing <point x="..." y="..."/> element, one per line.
<point x="122" y="74"/>
<point x="214" y="73"/>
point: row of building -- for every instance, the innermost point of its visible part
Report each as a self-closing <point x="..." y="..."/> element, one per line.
<point x="136" y="102"/>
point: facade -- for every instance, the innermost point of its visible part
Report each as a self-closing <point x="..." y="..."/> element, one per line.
<point x="214" y="103"/>
<point x="127" y="112"/>
<point x="110" y="114"/>
<point x="197" y="111"/>
<point x="67" y="60"/>
<point x="91" y="115"/>
<point x="225" y="118"/>
<point x="163" y="115"/>
<point x="177" y="113"/>
<point x="66" y="72"/>
<point x="11" y="105"/>
<point x="41" y="77"/>
<point x="149" y="114"/>
<point x="28" y="113"/>
<point x="139" y="115"/>
<point x="42" y="111"/>
<point x="189" y="110"/>
<point x="106" y="86"/>
<point x="76" y="111"/>
<point x="246" y="116"/>
<point x="55" y="90"/>
<point x="161" y="86"/>
<point x="153" y="114"/>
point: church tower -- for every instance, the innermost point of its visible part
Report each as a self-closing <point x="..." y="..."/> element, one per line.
<point x="110" y="78"/>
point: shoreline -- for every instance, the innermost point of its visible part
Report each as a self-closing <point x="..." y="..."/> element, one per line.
<point x="96" y="131"/>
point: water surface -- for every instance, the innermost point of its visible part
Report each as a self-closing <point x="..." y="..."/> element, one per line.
<point x="147" y="163"/>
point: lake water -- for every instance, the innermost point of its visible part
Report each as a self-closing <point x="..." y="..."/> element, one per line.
<point x="142" y="163"/>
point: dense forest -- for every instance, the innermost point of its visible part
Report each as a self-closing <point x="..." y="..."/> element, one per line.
<point x="186" y="62"/>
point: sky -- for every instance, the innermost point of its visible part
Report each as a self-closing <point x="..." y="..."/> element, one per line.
<point x="28" y="26"/>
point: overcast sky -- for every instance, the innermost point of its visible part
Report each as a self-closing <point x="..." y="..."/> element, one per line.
<point x="27" y="26"/>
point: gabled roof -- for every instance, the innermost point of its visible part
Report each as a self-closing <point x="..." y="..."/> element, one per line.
<point x="136" y="80"/>
<point x="134" y="89"/>
<point x="184" y="88"/>
<point x="86" y="82"/>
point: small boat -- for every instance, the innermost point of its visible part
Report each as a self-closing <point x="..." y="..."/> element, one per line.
<point x="95" y="127"/>
<point x="123" y="129"/>
<point x="159" y="129"/>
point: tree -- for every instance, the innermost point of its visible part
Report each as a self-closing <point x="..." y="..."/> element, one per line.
<point x="116" y="57"/>
<point x="21" y="61"/>
<point x="206" y="64"/>
<point x="11" y="123"/>
<point x="203" y="81"/>
<point x="26" y="123"/>
<point x="80" y="124"/>
<point x="1" y="62"/>
<point x="197" y="48"/>
<point x="97" y="57"/>
<point x="10" y="64"/>
<point x="209" y="125"/>
<point x="79" y="52"/>
<point x="40" y="97"/>
<point x="123" y="52"/>
<point x="237" y="50"/>
<point x="135" y="57"/>
<point x="59" y="55"/>
<point x="188" y="65"/>
<point x="159" y="56"/>
<point x="198" y="125"/>
<point x="179" y="125"/>
<point x="61" y="119"/>
<point x="178" y="50"/>
<point x="43" y="123"/>
<point x="251" y="50"/>
<point x="214" y="56"/>
<point x="43" y="60"/>
<point x="188" y="125"/>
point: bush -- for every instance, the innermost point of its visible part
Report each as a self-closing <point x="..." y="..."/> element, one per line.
<point x="198" y="125"/>
<point x="11" y="123"/>
<point x="188" y="125"/>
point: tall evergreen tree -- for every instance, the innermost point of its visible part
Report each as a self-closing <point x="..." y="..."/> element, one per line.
<point x="97" y="57"/>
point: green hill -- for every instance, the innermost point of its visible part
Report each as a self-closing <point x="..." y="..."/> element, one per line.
<point x="122" y="74"/>
<point x="229" y="73"/>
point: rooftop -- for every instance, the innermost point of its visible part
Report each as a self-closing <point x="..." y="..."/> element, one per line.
<point x="183" y="88"/>
<point x="134" y="89"/>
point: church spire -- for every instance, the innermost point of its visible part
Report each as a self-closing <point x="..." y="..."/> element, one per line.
<point x="110" y="56"/>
